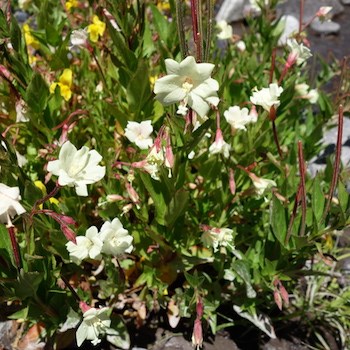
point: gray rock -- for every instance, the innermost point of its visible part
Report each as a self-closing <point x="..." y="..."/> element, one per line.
<point x="291" y="25"/>
<point x="328" y="27"/>
<point x="231" y="11"/>
<point x="346" y="2"/>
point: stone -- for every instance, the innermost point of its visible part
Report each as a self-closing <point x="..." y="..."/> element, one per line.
<point x="328" y="27"/>
<point x="291" y="26"/>
<point x="231" y="11"/>
<point x="346" y="2"/>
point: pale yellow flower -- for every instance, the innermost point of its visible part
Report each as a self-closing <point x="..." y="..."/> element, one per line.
<point x="65" y="84"/>
<point x="96" y="29"/>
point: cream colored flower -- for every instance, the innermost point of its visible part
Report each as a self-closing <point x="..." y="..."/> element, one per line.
<point x="116" y="239"/>
<point x="267" y="97"/>
<point x="190" y="83"/>
<point x="96" y="322"/>
<point x="300" y="51"/>
<point x="9" y="203"/>
<point x="218" y="237"/>
<point x="225" y="30"/>
<point x="238" y="118"/>
<point x="140" y="133"/>
<point x="77" y="168"/>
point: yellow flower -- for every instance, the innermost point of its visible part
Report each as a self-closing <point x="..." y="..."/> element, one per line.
<point x="97" y="28"/>
<point x="152" y="80"/>
<point x="42" y="188"/>
<point x="71" y="3"/>
<point x="163" y="6"/>
<point x="65" y="83"/>
<point x="28" y="37"/>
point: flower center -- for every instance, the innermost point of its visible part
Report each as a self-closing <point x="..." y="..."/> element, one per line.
<point x="187" y="85"/>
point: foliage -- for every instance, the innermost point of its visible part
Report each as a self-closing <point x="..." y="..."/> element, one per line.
<point x="207" y="229"/>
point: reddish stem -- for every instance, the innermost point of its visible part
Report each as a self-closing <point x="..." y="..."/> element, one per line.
<point x="294" y="213"/>
<point x="11" y="231"/>
<point x="301" y="16"/>
<point x="336" y="162"/>
<point x="302" y="187"/>
<point x="275" y="137"/>
<point x="196" y="34"/>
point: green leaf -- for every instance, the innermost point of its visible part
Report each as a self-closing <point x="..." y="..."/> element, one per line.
<point x="27" y="284"/>
<point x="343" y="197"/>
<point x="177" y="207"/>
<point x="156" y="191"/>
<point x="37" y="93"/>
<point x="278" y="219"/>
<point x="194" y="280"/>
<point x="138" y="90"/>
<point x="242" y="270"/>
<point x="317" y="201"/>
<point x="161" y="24"/>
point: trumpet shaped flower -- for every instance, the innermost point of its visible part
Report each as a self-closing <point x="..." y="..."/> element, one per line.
<point x="65" y="83"/>
<point x="267" y="97"/>
<point x="78" y="38"/>
<point x="77" y="168"/>
<point x="225" y="30"/>
<point x="140" y="133"/>
<point x="88" y="246"/>
<point x="116" y="239"/>
<point x="189" y="83"/>
<point x="238" y="118"/>
<point x="217" y="237"/>
<point x="9" y="203"/>
<point x="299" y="51"/>
<point x="96" y="29"/>
<point x="96" y="322"/>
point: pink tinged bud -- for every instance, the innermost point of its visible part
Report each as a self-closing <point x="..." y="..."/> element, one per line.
<point x="284" y="294"/>
<point x="69" y="233"/>
<point x="169" y="155"/>
<point x="232" y="182"/>
<point x="278" y="298"/>
<point x="114" y="198"/>
<point x="291" y="60"/>
<point x="253" y="113"/>
<point x="84" y="307"/>
<point x="199" y="308"/>
<point x="323" y="11"/>
<point x="218" y="136"/>
<point x="197" y="336"/>
<point x="132" y="193"/>
<point x="64" y="134"/>
<point x="67" y="220"/>
<point x="5" y="73"/>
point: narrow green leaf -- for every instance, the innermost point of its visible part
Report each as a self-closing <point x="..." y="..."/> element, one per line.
<point x="242" y="270"/>
<point x="317" y="201"/>
<point x="176" y="207"/>
<point x="278" y="219"/>
<point x="343" y="197"/>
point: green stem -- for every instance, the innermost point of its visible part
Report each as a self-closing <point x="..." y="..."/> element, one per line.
<point x="210" y="8"/>
<point x="181" y="28"/>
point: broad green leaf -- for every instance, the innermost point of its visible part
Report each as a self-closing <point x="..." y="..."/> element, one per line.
<point x="194" y="280"/>
<point x="37" y="93"/>
<point x="278" y="219"/>
<point x="27" y="284"/>
<point x="176" y="207"/>
<point x="242" y="269"/>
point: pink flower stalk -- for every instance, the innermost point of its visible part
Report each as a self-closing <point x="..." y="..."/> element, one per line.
<point x="280" y="294"/>
<point x="132" y="193"/>
<point x="169" y="155"/>
<point x="197" y="336"/>
<point x="232" y="183"/>
<point x="84" y="307"/>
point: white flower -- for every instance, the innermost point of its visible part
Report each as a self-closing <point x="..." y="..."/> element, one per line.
<point x="225" y="30"/>
<point x="190" y="83"/>
<point x="116" y="239"/>
<point x="153" y="161"/>
<point x="77" y="168"/>
<point x="78" y="38"/>
<point x="304" y="92"/>
<point x="313" y="96"/>
<point x="238" y="118"/>
<point x="219" y="145"/>
<point x="261" y="185"/>
<point x="21" y="111"/>
<point x="9" y="203"/>
<point x="241" y="45"/>
<point x="139" y="133"/>
<point x="96" y="322"/>
<point x="218" y="237"/>
<point x="323" y="13"/>
<point x="267" y="97"/>
<point x="88" y="246"/>
<point x="301" y="52"/>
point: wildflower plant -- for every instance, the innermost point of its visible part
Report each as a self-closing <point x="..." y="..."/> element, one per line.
<point x="173" y="171"/>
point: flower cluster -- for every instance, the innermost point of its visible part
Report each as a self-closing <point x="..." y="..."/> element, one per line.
<point x="112" y="239"/>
